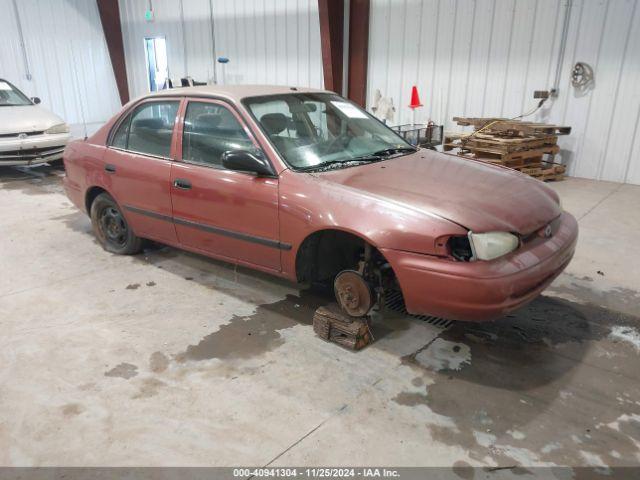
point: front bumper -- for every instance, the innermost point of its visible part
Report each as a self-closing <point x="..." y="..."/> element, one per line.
<point x="479" y="291"/>
<point x="32" y="150"/>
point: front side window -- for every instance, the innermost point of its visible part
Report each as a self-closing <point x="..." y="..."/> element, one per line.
<point x="210" y="130"/>
<point x="318" y="130"/>
<point x="10" y="96"/>
<point x="148" y="129"/>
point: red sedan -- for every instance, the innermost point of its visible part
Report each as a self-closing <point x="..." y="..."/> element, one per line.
<point x="305" y="185"/>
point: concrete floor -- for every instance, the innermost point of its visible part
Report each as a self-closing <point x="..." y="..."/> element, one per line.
<point x="169" y="358"/>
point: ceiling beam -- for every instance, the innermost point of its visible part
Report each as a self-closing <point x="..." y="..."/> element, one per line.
<point x="331" y="13"/>
<point x="112" y="28"/>
<point x="358" y="51"/>
<point x="332" y="22"/>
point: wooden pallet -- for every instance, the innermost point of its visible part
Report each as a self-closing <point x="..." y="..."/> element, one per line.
<point x="546" y="172"/>
<point x="513" y="128"/>
<point x="497" y="143"/>
<point x="531" y="171"/>
<point x="551" y="172"/>
<point x="529" y="164"/>
<point x="529" y="147"/>
<point x="331" y="324"/>
<point x="549" y="177"/>
<point x="517" y="158"/>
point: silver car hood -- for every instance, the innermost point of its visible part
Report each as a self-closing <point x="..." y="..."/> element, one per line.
<point x="26" y="118"/>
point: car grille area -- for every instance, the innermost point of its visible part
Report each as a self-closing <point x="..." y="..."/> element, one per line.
<point x="17" y="135"/>
<point x="27" y="154"/>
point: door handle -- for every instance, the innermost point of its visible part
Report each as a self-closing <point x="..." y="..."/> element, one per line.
<point x="182" y="184"/>
<point x="110" y="168"/>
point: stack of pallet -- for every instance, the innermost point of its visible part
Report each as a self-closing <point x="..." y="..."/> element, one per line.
<point x="525" y="146"/>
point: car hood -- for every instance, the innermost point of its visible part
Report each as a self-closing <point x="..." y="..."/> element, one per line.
<point x="26" y="118"/>
<point x="475" y="195"/>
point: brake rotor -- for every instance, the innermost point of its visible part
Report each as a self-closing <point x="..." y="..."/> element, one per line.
<point x="353" y="293"/>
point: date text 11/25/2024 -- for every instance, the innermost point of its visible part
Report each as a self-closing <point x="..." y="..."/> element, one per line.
<point x="322" y="472"/>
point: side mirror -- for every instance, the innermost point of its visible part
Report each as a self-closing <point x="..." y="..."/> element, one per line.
<point x="245" y="161"/>
<point x="35" y="100"/>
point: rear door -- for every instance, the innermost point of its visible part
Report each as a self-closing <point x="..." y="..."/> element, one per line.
<point x="138" y="164"/>
<point x="218" y="211"/>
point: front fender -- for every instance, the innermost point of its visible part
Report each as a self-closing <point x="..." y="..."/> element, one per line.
<point x="308" y="204"/>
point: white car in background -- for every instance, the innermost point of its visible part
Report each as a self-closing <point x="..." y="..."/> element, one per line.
<point x="29" y="134"/>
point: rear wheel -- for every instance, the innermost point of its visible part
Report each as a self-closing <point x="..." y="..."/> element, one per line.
<point x="110" y="227"/>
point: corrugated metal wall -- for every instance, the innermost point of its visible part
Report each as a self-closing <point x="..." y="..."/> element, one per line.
<point x="486" y="57"/>
<point x="274" y="42"/>
<point x="66" y="54"/>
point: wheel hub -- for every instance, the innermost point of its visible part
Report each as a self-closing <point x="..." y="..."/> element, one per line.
<point x="353" y="293"/>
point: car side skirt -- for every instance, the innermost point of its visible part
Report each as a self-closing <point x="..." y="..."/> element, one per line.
<point x="212" y="229"/>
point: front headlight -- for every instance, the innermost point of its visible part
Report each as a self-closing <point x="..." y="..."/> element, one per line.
<point x="487" y="246"/>
<point x="60" y="128"/>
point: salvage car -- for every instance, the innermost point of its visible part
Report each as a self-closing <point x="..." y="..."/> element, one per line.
<point x="306" y="185"/>
<point x="29" y="134"/>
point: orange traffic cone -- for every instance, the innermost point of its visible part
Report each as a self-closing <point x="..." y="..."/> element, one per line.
<point x="415" y="99"/>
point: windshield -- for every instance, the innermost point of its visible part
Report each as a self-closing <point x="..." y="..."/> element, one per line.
<point x="317" y="130"/>
<point x="10" y="96"/>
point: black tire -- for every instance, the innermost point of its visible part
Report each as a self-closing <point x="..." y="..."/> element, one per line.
<point x="110" y="227"/>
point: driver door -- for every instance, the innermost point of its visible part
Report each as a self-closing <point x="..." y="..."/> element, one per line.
<point x="224" y="213"/>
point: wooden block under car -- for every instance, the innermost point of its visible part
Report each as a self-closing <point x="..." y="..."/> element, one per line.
<point x="331" y="324"/>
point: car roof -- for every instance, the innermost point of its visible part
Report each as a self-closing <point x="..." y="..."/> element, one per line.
<point x="233" y="92"/>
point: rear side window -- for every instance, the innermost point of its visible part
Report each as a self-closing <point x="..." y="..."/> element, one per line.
<point x="148" y="129"/>
<point x="209" y="131"/>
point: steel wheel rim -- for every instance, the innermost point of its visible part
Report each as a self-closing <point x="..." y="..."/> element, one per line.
<point x="113" y="227"/>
